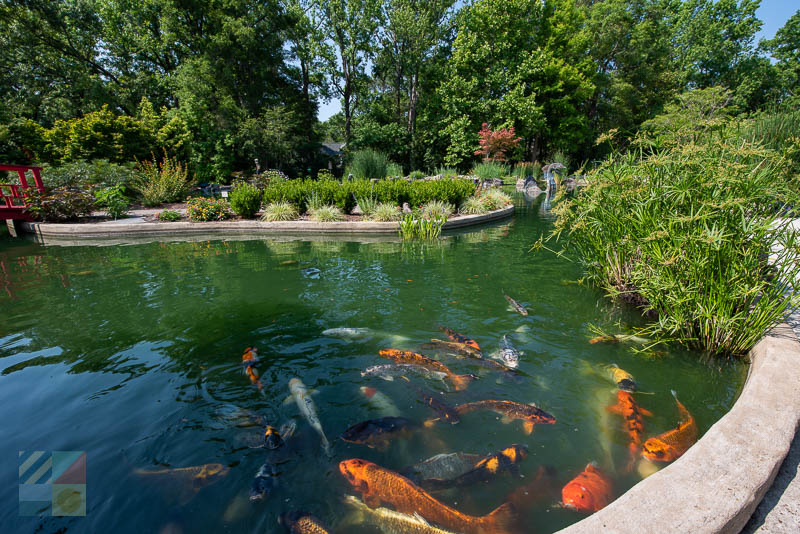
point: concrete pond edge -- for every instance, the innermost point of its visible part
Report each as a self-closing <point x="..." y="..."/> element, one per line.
<point x="715" y="487"/>
<point x="47" y="231"/>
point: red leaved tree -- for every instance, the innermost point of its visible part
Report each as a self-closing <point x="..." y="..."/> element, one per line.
<point x="494" y="144"/>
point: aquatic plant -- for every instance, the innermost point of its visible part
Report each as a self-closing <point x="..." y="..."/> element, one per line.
<point x="473" y="206"/>
<point x="279" y="211"/>
<point x="207" y="209"/>
<point x="488" y="170"/>
<point x="414" y="226"/>
<point x="692" y="236"/>
<point x="169" y="216"/>
<point x="385" y="212"/>
<point x="326" y="214"/>
<point x="438" y="207"/>
<point x="245" y="200"/>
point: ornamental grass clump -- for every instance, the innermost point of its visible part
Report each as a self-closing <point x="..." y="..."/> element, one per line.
<point x="494" y="199"/>
<point x="437" y="207"/>
<point x="279" y="211"/>
<point x="326" y="214"/>
<point x="695" y="237"/>
<point x="385" y="212"/>
<point x="473" y="206"/>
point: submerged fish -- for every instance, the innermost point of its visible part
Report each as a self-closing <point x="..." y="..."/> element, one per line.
<point x="671" y="445"/>
<point x="492" y="365"/>
<point x="634" y="425"/>
<point x="519" y="308"/>
<point x="190" y="480"/>
<point x="488" y="467"/>
<point x="445" y="465"/>
<point x="350" y="333"/>
<point x="459" y="348"/>
<point x="444" y="411"/>
<point x="309" y="410"/>
<point x="250" y="361"/>
<point x="389" y="521"/>
<point x="508" y="354"/>
<point x="407" y="357"/>
<point x="623" y="379"/>
<point x="590" y="491"/>
<point x="297" y="522"/>
<point x="266" y="480"/>
<point x="530" y="414"/>
<point x="543" y="488"/>
<point x="603" y="339"/>
<point x="232" y="415"/>
<point x="378" y="485"/>
<point x="377" y="433"/>
<point x="379" y="401"/>
<point x="458" y="338"/>
<point x="390" y="371"/>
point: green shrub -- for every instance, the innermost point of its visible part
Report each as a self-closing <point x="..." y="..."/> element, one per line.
<point x="113" y="200"/>
<point x="450" y="191"/>
<point x="368" y="164"/>
<point x="245" y="200"/>
<point x="416" y="175"/>
<point x="326" y="214"/>
<point x="438" y="207"/>
<point x="169" y="216"/>
<point x="494" y="199"/>
<point x="279" y="211"/>
<point x="393" y="170"/>
<point x="488" y="170"/>
<point x="99" y="172"/>
<point x="686" y="234"/>
<point x="207" y="209"/>
<point x="473" y="206"/>
<point x="447" y="172"/>
<point x="325" y="174"/>
<point x="167" y="181"/>
<point x="385" y="212"/>
<point x="60" y="204"/>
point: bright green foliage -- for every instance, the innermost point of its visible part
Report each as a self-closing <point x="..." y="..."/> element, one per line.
<point x="473" y="206"/>
<point x="393" y="170"/>
<point x="245" y="200"/>
<point x="385" y="212"/>
<point x="326" y="213"/>
<point x="21" y="140"/>
<point x="487" y="170"/>
<point x="785" y="48"/>
<point x="164" y="181"/>
<point x="169" y="216"/>
<point x="207" y="209"/>
<point x="367" y="203"/>
<point x="422" y="227"/>
<point x="98" y="172"/>
<point x="438" y="207"/>
<point x="494" y="199"/>
<point x="113" y="200"/>
<point x="60" y="204"/>
<point x="325" y="174"/>
<point x="279" y="211"/>
<point x="368" y="164"/>
<point x="686" y="233"/>
<point x="416" y="175"/>
<point x="693" y="115"/>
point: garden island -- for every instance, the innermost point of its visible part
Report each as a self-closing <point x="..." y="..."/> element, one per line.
<point x="316" y="266"/>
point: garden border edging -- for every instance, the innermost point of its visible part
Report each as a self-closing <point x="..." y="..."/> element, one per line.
<point x="715" y="487"/>
<point x="108" y="229"/>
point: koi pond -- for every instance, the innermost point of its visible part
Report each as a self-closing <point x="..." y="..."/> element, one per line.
<point x="139" y="355"/>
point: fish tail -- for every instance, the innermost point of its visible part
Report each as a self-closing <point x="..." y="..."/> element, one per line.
<point x="500" y="521"/>
<point x="460" y="382"/>
<point x="326" y="446"/>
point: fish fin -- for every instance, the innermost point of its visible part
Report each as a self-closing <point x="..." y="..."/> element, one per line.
<point x="326" y="446"/>
<point x="429" y="423"/>
<point x="615" y="408"/>
<point x="505" y="419"/>
<point x="421" y="519"/>
<point x="674" y="394"/>
<point x="527" y="426"/>
<point x="460" y="382"/>
<point x="501" y="520"/>
<point x="288" y="400"/>
<point x="405" y="378"/>
<point x="646" y="412"/>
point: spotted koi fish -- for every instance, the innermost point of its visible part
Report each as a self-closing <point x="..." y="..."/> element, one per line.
<point x="458" y="348"/>
<point x="249" y="361"/>
<point x="519" y="308"/>
<point x="489" y="466"/>
<point x="530" y="414"/>
<point x="407" y="357"/>
<point x="458" y="338"/>
<point x="632" y="414"/>
<point x="378" y="485"/>
<point x="297" y="522"/>
<point x="671" y="445"/>
<point x="444" y="411"/>
<point x="588" y="492"/>
<point x="623" y="379"/>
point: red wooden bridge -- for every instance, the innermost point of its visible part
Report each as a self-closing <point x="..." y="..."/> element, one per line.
<point x="12" y="196"/>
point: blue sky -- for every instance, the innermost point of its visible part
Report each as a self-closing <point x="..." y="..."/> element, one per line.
<point x="774" y="14"/>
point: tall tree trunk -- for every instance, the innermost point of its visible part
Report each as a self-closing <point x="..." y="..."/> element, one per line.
<point x="413" y="99"/>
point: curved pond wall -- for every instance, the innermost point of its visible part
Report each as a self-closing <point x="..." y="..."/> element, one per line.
<point x="48" y="231"/>
<point x="717" y="484"/>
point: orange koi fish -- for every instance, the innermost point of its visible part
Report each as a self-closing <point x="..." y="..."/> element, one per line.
<point x="626" y="407"/>
<point x="458" y="338"/>
<point x="250" y="360"/>
<point x="378" y="485"/>
<point x="672" y="444"/>
<point x="588" y="492"/>
<point x="404" y="356"/>
<point x="530" y="414"/>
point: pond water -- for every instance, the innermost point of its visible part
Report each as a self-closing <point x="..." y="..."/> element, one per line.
<point x="133" y="354"/>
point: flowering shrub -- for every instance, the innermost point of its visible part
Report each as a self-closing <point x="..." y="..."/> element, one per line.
<point x="59" y="204"/>
<point x="207" y="209"/>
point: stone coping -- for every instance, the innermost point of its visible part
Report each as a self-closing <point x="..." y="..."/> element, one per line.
<point x="717" y="484"/>
<point x="56" y="231"/>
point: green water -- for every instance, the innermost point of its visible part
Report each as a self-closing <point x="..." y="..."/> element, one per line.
<point x="130" y="352"/>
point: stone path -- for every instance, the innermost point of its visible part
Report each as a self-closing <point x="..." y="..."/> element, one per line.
<point x="779" y="511"/>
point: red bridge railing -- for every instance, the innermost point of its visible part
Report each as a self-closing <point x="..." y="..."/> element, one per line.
<point x="12" y="196"/>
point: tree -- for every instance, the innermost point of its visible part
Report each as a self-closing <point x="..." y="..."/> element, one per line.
<point x="785" y="48"/>
<point x="495" y="143"/>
